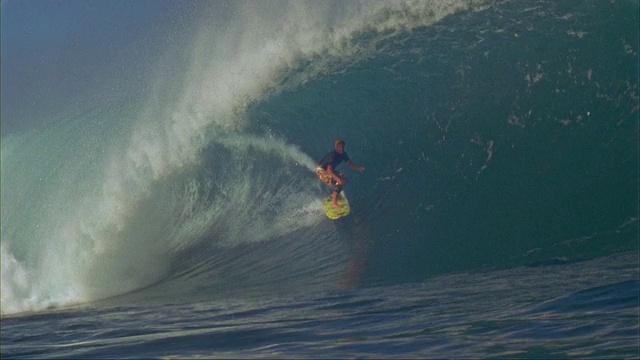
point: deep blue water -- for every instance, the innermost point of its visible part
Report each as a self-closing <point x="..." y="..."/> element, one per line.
<point x="545" y="312"/>
<point x="497" y="216"/>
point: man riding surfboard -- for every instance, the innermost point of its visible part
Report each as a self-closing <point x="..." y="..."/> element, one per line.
<point x="327" y="174"/>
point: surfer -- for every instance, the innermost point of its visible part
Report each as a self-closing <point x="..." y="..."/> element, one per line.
<point x="327" y="174"/>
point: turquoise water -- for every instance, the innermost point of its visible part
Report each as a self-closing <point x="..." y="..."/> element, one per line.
<point x="497" y="216"/>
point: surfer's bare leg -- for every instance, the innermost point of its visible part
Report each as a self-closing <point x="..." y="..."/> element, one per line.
<point x="336" y="192"/>
<point x="334" y="201"/>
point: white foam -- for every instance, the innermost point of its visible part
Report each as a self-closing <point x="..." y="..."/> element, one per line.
<point x="25" y="289"/>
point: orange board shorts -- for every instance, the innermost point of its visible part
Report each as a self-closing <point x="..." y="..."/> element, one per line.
<point x="327" y="179"/>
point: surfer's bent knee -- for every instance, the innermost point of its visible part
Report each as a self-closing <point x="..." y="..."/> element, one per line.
<point x="339" y="187"/>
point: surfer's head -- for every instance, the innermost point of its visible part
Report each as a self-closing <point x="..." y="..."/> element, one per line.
<point x="339" y="145"/>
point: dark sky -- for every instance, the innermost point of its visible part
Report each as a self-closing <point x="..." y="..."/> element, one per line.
<point x="61" y="57"/>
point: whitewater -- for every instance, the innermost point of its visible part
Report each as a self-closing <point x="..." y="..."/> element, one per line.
<point x="497" y="217"/>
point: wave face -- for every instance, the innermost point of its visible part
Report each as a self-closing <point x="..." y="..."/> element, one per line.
<point x="495" y="135"/>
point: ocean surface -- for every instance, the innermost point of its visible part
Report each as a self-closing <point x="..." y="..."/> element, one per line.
<point x="497" y="216"/>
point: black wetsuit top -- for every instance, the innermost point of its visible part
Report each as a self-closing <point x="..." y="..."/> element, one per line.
<point x="334" y="159"/>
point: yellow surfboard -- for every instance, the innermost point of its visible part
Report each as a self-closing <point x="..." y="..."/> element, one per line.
<point x="335" y="213"/>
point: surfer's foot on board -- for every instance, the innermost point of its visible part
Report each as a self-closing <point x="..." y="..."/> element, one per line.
<point x="336" y="205"/>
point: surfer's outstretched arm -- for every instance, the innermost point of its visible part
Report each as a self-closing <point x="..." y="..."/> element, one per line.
<point x="354" y="166"/>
